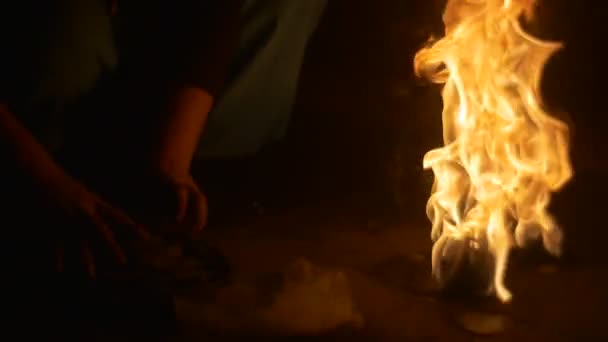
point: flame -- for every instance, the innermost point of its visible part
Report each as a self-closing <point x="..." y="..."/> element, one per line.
<point x="504" y="155"/>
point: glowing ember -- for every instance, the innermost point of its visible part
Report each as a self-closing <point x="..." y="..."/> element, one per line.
<point x="503" y="154"/>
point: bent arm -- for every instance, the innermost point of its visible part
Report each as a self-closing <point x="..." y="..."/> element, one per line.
<point x="186" y="117"/>
<point x="186" y="51"/>
<point x="21" y="149"/>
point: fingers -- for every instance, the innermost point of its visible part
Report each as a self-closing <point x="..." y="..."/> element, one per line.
<point x="75" y="257"/>
<point x="192" y="204"/>
<point x="108" y="236"/>
<point x="200" y="213"/>
<point x="87" y="259"/>
<point x="121" y="218"/>
<point x="183" y="194"/>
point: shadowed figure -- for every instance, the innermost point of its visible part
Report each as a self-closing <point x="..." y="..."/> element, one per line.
<point x="104" y="105"/>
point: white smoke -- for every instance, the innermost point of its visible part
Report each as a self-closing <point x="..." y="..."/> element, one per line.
<point x="310" y="301"/>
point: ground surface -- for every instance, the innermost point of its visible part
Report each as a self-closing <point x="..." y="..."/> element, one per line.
<point x="388" y="266"/>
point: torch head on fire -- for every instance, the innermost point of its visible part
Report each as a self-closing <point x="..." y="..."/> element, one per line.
<point x="504" y="154"/>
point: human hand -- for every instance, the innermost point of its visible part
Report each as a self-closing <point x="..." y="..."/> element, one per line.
<point x="190" y="207"/>
<point x="171" y="203"/>
<point x="88" y="225"/>
<point x="191" y="203"/>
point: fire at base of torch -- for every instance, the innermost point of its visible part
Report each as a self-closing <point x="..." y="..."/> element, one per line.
<point x="463" y="267"/>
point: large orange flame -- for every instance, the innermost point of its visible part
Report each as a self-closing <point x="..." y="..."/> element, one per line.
<point x="503" y="154"/>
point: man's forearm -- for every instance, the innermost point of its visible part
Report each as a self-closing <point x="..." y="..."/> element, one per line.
<point x="186" y="51"/>
<point x="186" y="117"/>
<point x="24" y="151"/>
